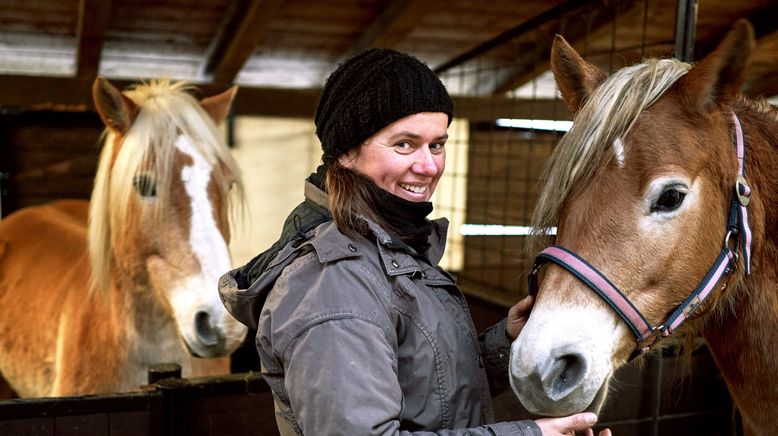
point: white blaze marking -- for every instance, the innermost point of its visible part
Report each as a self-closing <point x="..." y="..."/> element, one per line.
<point x="618" y="147"/>
<point x="207" y="242"/>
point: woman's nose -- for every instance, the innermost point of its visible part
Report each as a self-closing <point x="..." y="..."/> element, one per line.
<point x="425" y="162"/>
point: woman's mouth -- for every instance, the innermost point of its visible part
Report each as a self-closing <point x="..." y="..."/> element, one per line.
<point x="414" y="188"/>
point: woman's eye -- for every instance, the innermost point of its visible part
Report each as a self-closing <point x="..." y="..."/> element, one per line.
<point x="669" y="201"/>
<point x="145" y="185"/>
<point x="404" y="147"/>
<point x="437" y="148"/>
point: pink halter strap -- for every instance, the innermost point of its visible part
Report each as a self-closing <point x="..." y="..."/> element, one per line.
<point x="647" y="335"/>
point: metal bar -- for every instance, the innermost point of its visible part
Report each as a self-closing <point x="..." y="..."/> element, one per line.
<point x="685" y="26"/>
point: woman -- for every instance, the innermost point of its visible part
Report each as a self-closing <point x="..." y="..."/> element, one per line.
<point x="358" y="330"/>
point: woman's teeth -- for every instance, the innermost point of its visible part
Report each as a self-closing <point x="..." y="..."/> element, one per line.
<point x="414" y="189"/>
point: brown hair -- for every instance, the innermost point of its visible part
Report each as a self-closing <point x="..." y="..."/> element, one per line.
<point x="349" y="199"/>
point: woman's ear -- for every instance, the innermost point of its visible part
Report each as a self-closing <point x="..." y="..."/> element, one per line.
<point x="347" y="159"/>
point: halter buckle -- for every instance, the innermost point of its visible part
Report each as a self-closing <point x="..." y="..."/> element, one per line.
<point x="655" y="335"/>
<point x="742" y="190"/>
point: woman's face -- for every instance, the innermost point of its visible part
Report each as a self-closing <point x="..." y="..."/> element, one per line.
<point x="406" y="157"/>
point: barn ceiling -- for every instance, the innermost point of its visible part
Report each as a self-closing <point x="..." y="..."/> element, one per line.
<point x="280" y="51"/>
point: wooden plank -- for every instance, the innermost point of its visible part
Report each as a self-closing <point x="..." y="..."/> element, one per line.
<point x="75" y="94"/>
<point x="93" y="425"/>
<point x="245" y="25"/>
<point x="78" y="405"/>
<point x="28" y="427"/>
<point x="93" y="19"/>
<point x="394" y="24"/>
<point x="130" y="423"/>
<point x="233" y="414"/>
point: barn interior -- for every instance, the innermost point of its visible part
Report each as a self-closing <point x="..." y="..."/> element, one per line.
<point x="493" y="57"/>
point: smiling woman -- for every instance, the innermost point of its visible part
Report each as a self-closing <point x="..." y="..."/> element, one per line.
<point x="359" y="331"/>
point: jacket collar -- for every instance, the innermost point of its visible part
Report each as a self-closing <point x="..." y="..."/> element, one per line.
<point x="437" y="237"/>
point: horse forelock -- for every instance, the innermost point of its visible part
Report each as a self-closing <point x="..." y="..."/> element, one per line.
<point x="166" y="111"/>
<point x="607" y="115"/>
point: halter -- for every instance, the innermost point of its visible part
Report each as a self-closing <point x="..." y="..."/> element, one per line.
<point x="647" y="335"/>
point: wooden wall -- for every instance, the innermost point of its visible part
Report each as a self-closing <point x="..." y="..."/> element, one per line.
<point x="46" y="155"/>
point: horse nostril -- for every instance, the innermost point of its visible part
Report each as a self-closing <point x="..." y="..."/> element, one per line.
<point x="568" y="372"/>
<point x="206" y="332"/>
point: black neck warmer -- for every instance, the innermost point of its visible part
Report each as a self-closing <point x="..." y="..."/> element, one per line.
<point x="405" y="219"/>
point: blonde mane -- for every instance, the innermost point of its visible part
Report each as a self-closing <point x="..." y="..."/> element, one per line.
<point x="608" y="114"/>
<point x="165" y="111"/>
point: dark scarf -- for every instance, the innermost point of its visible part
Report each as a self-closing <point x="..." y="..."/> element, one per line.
<point x="405" y="219"/>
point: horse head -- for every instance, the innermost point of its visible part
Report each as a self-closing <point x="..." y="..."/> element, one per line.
<point x="640" y="190"/>
<point x="159" y="215"/>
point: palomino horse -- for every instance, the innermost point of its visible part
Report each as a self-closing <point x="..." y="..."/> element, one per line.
<point x="93" y="293"/>
<point x="666" y="206"/>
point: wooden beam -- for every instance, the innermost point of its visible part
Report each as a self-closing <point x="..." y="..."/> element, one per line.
<point x="574" y="24"/>
<point x="501" y="39"/>
<point x="75" y="94"/>
<point x="93" y="19"/>
<point x="394" y="24"/>
<point x="244" y="26"/>
<point x="494" y="107"/>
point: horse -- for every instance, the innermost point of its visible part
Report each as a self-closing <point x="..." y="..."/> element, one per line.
<point x="94" y="292"/>
<point x="665" y="204"/>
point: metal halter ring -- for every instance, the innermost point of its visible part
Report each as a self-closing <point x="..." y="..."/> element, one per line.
<point x="727" y="245"/>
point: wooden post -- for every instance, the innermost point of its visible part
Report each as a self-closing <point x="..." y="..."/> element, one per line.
<point x="162" y="371"/>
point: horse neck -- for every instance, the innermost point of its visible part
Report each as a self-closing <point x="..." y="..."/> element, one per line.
<point x="743" y="333"/>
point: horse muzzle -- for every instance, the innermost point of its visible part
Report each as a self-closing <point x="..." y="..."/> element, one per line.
<point x="562" y="361"/>
<point x="214" y="334"/>
<point x="559" y="385"/>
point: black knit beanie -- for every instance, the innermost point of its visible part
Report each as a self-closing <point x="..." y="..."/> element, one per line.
<point x="370" y="91"/>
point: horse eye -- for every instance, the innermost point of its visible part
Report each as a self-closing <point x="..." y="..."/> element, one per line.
<point x="669" y="201"/>
<point x="145" y="186"/>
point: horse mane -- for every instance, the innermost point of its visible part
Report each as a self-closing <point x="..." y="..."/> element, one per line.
<point x="608" y="114"/>
<point x="759" y="105"/>
<point x="166" y="110"/>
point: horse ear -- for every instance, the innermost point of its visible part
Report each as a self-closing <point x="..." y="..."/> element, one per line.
<point x="575" y="77"/>
<point x="717" y="78"/>
<point x="218" y="106"/>
<point x="116" y="109"/>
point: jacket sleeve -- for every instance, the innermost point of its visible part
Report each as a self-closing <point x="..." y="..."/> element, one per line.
<point x="341" y="378"/>
<point x="496" y="350"/>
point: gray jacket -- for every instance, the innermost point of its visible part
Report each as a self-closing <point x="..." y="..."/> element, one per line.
<point x="366" y="337"/>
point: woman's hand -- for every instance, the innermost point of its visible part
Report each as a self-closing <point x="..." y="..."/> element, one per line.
<point x="518" y="316"/>
<point x="568" y="425"/>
